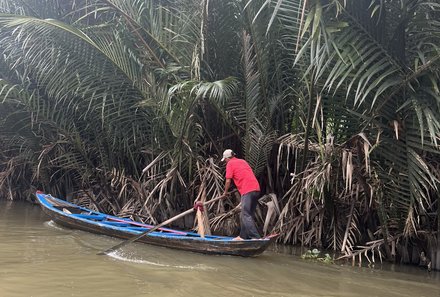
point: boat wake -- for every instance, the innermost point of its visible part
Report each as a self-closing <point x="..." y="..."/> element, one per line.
<point x="122" y="257"/>
<point x="54" y="225"/>
<point x="128" y="257"/>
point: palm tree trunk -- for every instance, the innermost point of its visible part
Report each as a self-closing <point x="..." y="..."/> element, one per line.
<point x="384" y="228"/>
<point x="308" y="122"/>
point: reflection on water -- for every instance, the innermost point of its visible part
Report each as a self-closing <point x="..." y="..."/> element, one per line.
<point x="40" y="259"/>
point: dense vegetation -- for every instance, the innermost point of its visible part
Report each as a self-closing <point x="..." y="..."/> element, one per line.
<point x="126" y="105"/>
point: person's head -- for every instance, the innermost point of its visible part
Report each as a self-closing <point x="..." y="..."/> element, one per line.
<point x="228" y="155"/>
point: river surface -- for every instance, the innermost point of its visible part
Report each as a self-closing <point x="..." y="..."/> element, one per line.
<point x="40" y="259"/>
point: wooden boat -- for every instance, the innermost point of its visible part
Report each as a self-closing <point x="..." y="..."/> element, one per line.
<point x="77" y="217"/>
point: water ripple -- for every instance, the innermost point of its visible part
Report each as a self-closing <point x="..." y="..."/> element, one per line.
<point x="123" y="257"/>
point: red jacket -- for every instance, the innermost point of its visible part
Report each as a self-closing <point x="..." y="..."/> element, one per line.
<point x="241" y="173"/>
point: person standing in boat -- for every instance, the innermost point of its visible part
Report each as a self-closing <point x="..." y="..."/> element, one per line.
<point x="239" y="171"/>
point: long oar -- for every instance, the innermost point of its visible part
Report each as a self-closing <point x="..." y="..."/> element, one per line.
<point x="118" y="246"/>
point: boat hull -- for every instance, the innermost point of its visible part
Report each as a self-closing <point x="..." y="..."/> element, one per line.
<point x="169" y="238"/>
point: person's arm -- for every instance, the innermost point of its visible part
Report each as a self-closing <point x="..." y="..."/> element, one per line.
<point x="227" y="185"/>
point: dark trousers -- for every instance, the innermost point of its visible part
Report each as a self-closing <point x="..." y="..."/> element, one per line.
<point x="248" y="228"/>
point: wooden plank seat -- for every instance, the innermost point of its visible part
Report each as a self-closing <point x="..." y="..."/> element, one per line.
<point x="68" y="209"/>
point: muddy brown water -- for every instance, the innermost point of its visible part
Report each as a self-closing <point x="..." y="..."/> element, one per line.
<point x="41" y="259"/>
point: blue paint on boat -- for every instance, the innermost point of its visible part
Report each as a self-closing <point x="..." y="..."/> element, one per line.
<point x="103" y="220"/>
<point x="77" y="217"/>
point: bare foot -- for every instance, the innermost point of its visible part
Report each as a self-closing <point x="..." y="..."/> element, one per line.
<point x="237" y="238"/>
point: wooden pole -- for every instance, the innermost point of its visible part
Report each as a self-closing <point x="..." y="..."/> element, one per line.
<point x="133" y="239"/>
